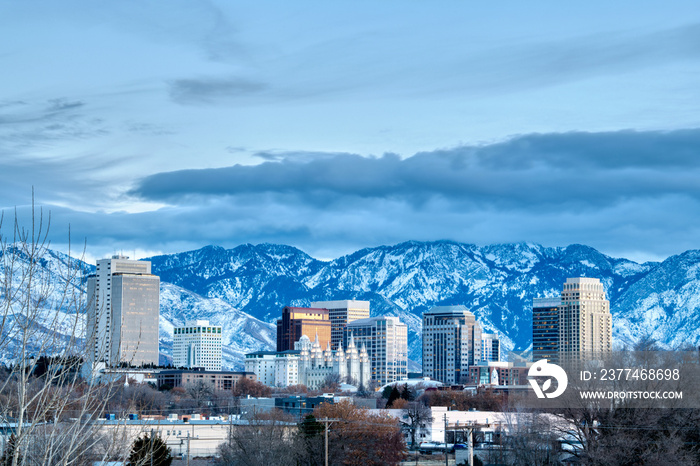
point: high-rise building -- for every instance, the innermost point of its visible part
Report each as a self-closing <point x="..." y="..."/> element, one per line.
<point x="197" y="344"/>
<point x="545" y="329"/>
<point x="385" y="339"/>
<point x="490" y="347"/>
<point x="123" y="312"/>
<point x="585" y="322"/>
<point x="341" y="313"/>
<point x="298" y="321"/>
<point x="451" y="343"/>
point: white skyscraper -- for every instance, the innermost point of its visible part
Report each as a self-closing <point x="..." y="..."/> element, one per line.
<point x="197" y="344"/>
<point x="123" y="313"/>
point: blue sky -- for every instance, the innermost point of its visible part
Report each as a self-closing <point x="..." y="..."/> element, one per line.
<point x="159" y="127"/>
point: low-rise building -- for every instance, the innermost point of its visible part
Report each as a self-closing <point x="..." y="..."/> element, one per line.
<point x="499" y="373"/>
<point x="220" y="380"/>
<point x="309" y="365"/>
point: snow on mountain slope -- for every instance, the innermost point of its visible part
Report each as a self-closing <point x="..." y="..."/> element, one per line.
<point x="242" y="333"/>
<point x="497" y="282"/>
<point x="245" y="288"/>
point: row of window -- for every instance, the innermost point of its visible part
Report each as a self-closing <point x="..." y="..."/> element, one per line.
<point x="185" y="330"/>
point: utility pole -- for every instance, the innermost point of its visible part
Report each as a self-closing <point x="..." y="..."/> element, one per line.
<point x="327" y="422"/>
<point x="445" y="416"/>
<point x="470" y="443"/>
<point x="188" y="448"/>
<point x="151" y="447"/>
<point x="326" y="443"/>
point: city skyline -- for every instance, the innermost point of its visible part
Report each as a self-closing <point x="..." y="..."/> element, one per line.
<point x="333" y="127"/>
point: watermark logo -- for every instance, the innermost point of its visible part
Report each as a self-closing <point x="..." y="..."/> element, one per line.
<point x="544" y="369"/>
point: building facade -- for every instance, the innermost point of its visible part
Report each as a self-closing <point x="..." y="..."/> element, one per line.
<point x="499" y="373"/>
<point x="219" y="380"/>
<point x="197" y="344"/>
<point x="123" y="313"/>
<point x="299" y="321"/>
<point x="308" y="364"/>
<point x="545" y="329"/>
<point x="490" y="347"/>
<point x="386" y="341"/>
<point x="262" y="364"/>
<point x="316" y="365"/>
<point x="340" y="314"/>
<point x="451" y="343"/>
<point x="585" y="322"/>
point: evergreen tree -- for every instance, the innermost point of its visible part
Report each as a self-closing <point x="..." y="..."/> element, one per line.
<point x="149" y="450"/>
<point x="387" y="391"/>
<point x="406" y="393"/>
<point x="309" y="427"/>
<point x="393" y="396"/>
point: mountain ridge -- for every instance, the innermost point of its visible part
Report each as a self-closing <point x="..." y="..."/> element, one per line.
<point x="497" y="282"/>
<point x="245" y="288"/>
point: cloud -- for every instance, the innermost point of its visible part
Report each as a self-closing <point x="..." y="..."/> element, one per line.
<point x="24" y="125"/>
<point x="211" y="90"/>
<point x="529" y="65"/>
<point x="657" y="228"/>
<point x="402" y="67"/>
<point x="612" y="191"/>
<point x="61" y="105"/>
<point x="538" y="171"/>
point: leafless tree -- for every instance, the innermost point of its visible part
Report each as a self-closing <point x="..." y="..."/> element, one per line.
<point x="415" y="416"/>
<point x="532" y="440"/>
<point x="42" y="308"/>
<point x="201" y="392"/>
<point x="265" y="439"/>
<point x="331" y="383"/>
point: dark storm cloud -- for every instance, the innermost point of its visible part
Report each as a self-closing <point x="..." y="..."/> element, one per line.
<point x="588" y="170"/>
<point x="210" y="90"/>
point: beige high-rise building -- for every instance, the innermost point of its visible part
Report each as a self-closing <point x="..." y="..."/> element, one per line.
<point x="123" y="312"/>
<point x="585" y="322"/>
<point x="341" y="313"/>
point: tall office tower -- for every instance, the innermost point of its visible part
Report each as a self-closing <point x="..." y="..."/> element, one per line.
<point x="545" y="329"/>
<point x="197" y="344"/>
<point x="585" y="322"/>
<point x="451" y="342"/>
<point x="385" y="339"/>
<point x="490" y="347"/>
<point x="123" y="312"/>
<point x="341" y="313"/>
<point x="298" y="321"/>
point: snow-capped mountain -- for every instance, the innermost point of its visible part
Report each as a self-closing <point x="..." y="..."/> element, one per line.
<point x="496" y="282"/>
<point x="245" y="288"/>
<point x="242" y="333"/>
